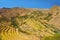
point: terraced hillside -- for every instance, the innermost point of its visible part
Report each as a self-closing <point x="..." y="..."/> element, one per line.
<point x="27" y="24"/>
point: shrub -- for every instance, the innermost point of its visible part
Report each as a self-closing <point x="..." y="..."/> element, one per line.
<point x="48" y="17"/>
<point x="55" y="37"/>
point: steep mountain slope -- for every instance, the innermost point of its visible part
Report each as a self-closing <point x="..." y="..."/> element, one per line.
<point x="28" y="24"/>
<point x="56" y="16"/>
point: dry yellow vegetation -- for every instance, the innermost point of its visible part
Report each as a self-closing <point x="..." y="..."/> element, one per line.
<point x="29" y="23"/>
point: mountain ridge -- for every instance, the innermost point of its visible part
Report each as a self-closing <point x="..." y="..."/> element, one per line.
<point x="29" y="24"/>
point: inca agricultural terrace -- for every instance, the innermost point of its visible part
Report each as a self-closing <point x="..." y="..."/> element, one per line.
<point x="30" y="23"/>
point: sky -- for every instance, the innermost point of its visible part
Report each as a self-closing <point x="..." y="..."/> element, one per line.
<point x="29" y="3"/>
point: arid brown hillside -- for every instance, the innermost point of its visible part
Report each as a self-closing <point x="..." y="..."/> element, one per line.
<point x="29" y="23"/>
<point x="56" y="16"/>
<point x="12" y="12"/>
